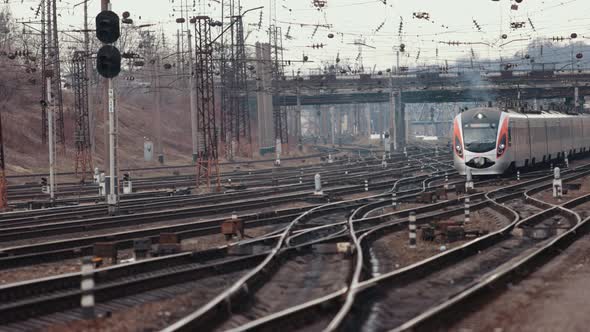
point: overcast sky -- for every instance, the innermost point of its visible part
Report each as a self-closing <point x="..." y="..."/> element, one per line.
<point x="375" y="23"/>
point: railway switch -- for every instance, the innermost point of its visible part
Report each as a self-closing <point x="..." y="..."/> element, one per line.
<point x="141" y="247"/>
<point x="232" y="227"/>
<point x="168" y="244"/>
<point x="107" y="251"/>
<point x="127" y="184"/>
<point x="428" y="233"/>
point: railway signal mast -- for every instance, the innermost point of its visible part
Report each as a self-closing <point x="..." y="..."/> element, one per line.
<point x="108" y="65"/>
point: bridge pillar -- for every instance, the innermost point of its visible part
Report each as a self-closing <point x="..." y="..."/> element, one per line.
<point x="324" y="124"/>
<point x="298" y="131"/>
<point x="382" y="123"/>
<point x="339" y="125"/>
<point x="368" y="112"/>
<point x="264" y="96"/>
<point x="397" y="121"/>
<point x="332" y="126"/>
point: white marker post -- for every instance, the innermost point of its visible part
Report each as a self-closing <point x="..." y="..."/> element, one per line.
<point x="318" y="184"/>
<point x="412" y="229"/>
<point x="469" y="180"/>
<point x="467" y="214"/>
<point x="557" y="183"/>
<point x="87" y="288"/>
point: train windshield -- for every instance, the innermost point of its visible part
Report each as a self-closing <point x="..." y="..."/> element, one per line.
<point x="480" y="137"/>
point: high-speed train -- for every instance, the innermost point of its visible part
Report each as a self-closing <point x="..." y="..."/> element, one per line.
<point x="492" y="141"/>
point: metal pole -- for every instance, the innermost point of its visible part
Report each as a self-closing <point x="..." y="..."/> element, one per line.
<point x="467" y="214"/>
<point x="105" y="5"/>
<point x="51" y="138"/>
<point x="298" y="121"/>
<point x="113" y="197"/>
<point x="191" y="83"/>
<point x="158" y="112"/>
<point x="91" y="118"/>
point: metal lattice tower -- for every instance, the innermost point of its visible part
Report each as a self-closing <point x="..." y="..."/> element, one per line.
<point x="83" y="164"/>
<point x="244" y="130"/>
<point x="235" y="120"/>
<point x="207" y="163"/>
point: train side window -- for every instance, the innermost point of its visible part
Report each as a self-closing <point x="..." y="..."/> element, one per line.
<point x="510" y="125"/>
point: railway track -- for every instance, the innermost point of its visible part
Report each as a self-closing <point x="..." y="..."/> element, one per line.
<point x="31" y="191"/>
<point x="315" y="314"/>
<point x="357" y="172"/>
<point x="303" y="241"/>
<point x="307" y="230"/>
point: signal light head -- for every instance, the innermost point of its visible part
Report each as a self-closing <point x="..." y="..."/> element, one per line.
<point x="107" y="27"/>
<point x="108" y="61"/>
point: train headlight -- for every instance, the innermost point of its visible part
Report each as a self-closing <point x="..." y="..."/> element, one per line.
<point x="501" y="149"/>
<point x="458" y="148"/>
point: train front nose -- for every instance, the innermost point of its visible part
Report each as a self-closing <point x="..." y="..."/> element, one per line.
<point x="480" y="162"/>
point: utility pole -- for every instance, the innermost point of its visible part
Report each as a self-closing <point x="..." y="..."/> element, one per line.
<point x="193" y="108"/>
<point x="51" y="137"/>
<point x="158" y="101"/>
<point x="177" y="53"/>
<point x="51" y="109"/>
<point x="91" y="116"/>
<point x="105" y="5"/>
<point x="109" y="66"/>
<point x="3" y="183"/>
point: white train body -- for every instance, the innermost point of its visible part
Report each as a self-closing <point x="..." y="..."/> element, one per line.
<point x="491" y="141"/>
